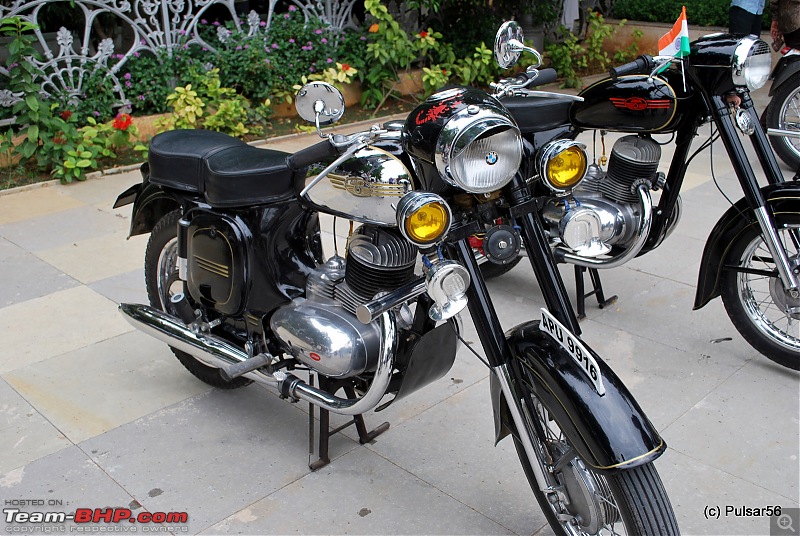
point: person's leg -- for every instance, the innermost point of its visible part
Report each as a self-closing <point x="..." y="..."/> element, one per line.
<point x="740" y="20"/>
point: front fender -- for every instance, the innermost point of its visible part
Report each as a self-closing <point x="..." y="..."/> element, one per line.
<point x="781" y="198"/>
<point x="609" y="432"/>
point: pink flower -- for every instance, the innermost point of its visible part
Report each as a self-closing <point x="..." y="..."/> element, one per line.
<point x="292" y="8"/>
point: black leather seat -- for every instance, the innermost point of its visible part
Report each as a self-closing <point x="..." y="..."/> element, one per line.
<point x="537" y="114"/>
<point x="226" y="170"/>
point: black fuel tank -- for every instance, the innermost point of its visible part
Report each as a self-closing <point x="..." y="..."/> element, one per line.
<point x="635" y="103"/>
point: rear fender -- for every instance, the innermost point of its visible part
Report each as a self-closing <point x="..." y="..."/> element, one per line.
<point x="781" y="198"/>
<point x="150" y="204"/>
<point x="609" y="432"/>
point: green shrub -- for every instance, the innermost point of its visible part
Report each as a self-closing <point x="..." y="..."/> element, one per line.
<point x="699" y="12"/>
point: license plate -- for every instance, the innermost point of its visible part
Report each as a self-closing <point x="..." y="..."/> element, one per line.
<point x="574" y="348"/>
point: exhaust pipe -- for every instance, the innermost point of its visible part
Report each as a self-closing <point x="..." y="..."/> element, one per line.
<point x="219" y="353"/>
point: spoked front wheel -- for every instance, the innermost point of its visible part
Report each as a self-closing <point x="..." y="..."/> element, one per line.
<point x="759" y="306"/>
<point x="581" y="501"/>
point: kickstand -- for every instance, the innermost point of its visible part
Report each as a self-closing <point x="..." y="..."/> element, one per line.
<point x="597" y="290"/>
<point x="325" y="432"/>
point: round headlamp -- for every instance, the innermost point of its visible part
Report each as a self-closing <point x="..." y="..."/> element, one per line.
<point x="562" y="164"/>
<point x="479" y="149"/>
<point x="751" y="63"/>
<point x="423" y="218"/>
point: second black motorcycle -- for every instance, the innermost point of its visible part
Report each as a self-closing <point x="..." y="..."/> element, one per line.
<point x="601" y="215"/>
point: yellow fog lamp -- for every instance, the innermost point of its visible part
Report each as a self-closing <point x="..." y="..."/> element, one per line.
<point x="562" y="164"/>
<point x="423" y="218"/>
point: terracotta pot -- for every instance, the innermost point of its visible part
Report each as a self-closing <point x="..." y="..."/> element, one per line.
<point x="146" y="125"/>
<point x="409" y="82"/>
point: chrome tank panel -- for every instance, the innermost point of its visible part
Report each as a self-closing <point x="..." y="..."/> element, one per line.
<point x="327" y="338"/>
<point x="364" y="188"/>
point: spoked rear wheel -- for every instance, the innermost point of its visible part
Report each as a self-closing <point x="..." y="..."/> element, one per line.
<point x="581" y="501"/>
<point x="161" y="279"/>
<point x="759" y="306"/>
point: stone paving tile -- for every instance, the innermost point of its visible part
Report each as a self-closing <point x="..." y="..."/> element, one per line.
<point x="764" y="451"/>
<point x="44" y="327"/>
<point x="26" y="277"/>
<point x="124" y="288"/>
<point x="210" y="455"/>
<point x="693" y="485"/>
<point x="63" y="481"/>
<point x="98" y="258"/>
<point x="61" y="228"/>
<point x="132" y="375"/>
<point x="451" y="447"/>
<point x="25" y="435"/>
<point x="361" y="493"/>
<point x="33" y="203"/>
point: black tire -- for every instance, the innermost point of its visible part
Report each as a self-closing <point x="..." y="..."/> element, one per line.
<point x="783" y="112"/>
<point x="490" y="269"/>
<point x="631" y="502"/>
<point x="161" y="280"/>
<point x="757" y="304"/>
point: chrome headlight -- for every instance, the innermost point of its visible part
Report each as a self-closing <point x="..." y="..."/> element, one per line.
<point x="752" y="63"/>
<point x="562" y="164"/>
<point x="479" y="149"/>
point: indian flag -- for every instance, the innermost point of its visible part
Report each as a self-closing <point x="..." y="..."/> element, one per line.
<point x="676" y="41"/>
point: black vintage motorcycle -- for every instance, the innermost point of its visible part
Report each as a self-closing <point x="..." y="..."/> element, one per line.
<point x="597" y="219"/>
<point x="239" y="288"/>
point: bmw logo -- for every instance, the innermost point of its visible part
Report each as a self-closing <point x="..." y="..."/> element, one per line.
<point x="491" y="158"/>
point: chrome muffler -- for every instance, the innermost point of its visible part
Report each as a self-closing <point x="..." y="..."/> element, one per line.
<point x="219" y="353"/>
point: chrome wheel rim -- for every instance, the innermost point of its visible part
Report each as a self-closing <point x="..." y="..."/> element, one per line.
<point x="789" y="119"/>
<point x="772" y="311"/>
<point x="167" y="280"/>
<point x="580" y="499"/>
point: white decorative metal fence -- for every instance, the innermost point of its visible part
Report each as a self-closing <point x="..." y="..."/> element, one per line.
<point x="71" y="57"/>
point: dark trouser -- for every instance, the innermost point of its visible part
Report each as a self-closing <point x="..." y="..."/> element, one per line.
<point x="742" y="22"/>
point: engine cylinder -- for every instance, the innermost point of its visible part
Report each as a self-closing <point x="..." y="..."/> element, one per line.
<point x="632" y="158"/>
<point x="378" y="260"/>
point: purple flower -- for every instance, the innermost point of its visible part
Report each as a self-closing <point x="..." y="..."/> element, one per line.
<point x="285" y="15"/>
<point x="292" y="8"/>
<point x="275" y="46"/>
<point x="181" y="32"/>
<point x="324" y="41"/>
<point x="96" y="113"/>
<point x="142" y="42"/>
<point x="128" y="83"/>
<point x="363" y="38"/>
<point x="329" y="60"/>
<point x="267" y="61"/>
<point x="140" y="97"/>
<point x="317" y="31"/>
<point x="291" y="40"/>
<point x="205" y="49"/>
<point x="311" y="69"/>
<point x="215" y="23"/>
<point x="136" y="54"/>
<point x="203" y="21"/>
<point x="127" y="76"/>
<point x="239" y="47"/>
<point x="262" y="23"/>
<point x="186" y="46"/>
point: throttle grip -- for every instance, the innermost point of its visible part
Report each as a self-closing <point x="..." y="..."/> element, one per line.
<point x="642" y="64"/>
<point x="311" y="155"/>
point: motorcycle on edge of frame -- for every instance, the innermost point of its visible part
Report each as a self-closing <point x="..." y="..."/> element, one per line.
<point x="239" y="288"/>
<point x="598" y="219"/>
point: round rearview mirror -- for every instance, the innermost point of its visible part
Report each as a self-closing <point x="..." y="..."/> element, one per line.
<point x="507" y="44"/>
<point x="319" y="101"/>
